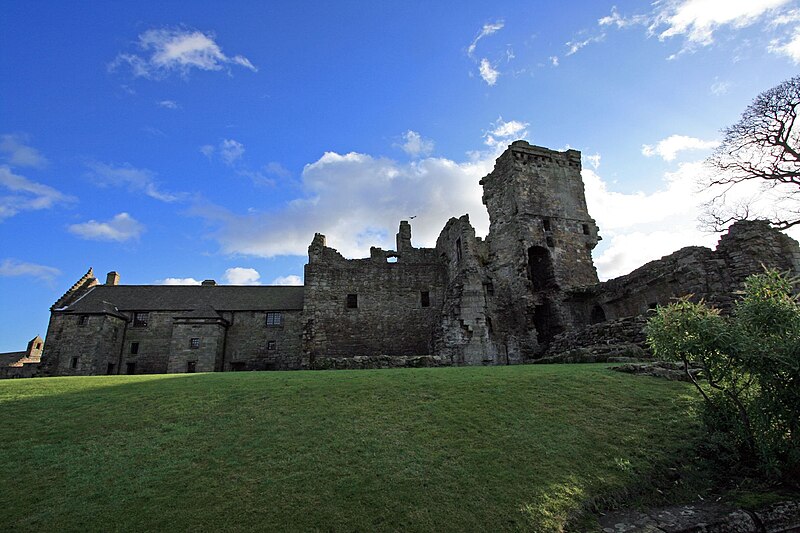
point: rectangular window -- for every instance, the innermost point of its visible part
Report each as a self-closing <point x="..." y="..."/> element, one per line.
<point x="458" y="249"/>
<point x="425" y="298"/>
<point x="585" y="228"/>
<point x="83" y="320"/>
<point x="237" y="366"/>
<point x="352" y="301"/>
<point x="140" y="320"/>
<point x="191" y="367"/>
<point x="274" y="318"/>
<point x="271" y="345"/>
<point x="110" y="369"/>
<point x="73" y="363"/>
<point x="194" y="343"/>
<point x="38" y="345"/>
<point x="130" y="368"/>
<point x="134" y="348"/>
<point x="546" y="224"/>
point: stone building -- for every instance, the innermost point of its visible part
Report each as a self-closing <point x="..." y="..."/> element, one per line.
<point x="526" y="292"/>
<point x="22" y="364"/>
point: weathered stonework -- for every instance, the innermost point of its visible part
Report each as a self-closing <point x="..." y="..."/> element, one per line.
<point x="527" y="292"/>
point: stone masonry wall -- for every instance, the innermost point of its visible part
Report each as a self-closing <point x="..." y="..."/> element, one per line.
<point x="248" y="340"/>
<point x="75" y="349"/>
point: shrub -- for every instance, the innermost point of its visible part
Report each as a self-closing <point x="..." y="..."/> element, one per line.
<point x="750" y="364"/>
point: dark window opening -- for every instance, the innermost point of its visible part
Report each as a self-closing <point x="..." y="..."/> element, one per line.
<point x="73" y="363"/>
<point x="489" y="325"/>
<point x="425" y="298"/>
<point x="546" y="322"/>
<point x="489" y="288"/>
<point x="83" y="320"/>
<point x="550" y="242"/>
<point x="272" y="345"/>
<point x="352" y="301"/>
<point x="237" y="366"/>
<point x="191" y="367"/>
<point x="598" y="315"/>
<point x="652" y="305"/>
<point x="458" y="249"/>
<point x="194" y="343"/>
<point x="585" y="228"/>
<point x="274" y="318"/>
<point x="546" y="224"/>
<point x="540" y="268"/>
<point x="110" y="369"/>
<point x="38" y="345"/>
<point x="140" y="320"/>
<point x="130" y="368"/>
<point x="134" y="348"/>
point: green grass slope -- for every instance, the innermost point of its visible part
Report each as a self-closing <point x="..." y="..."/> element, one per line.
<point x="450" y="449"/>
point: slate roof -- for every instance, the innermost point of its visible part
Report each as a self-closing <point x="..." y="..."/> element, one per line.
<point x="188" y="298"/>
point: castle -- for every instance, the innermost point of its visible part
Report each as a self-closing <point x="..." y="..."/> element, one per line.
<point x="527" y="292"/>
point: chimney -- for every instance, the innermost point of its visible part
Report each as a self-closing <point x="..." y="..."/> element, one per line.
<point x="112" y="278"/>
<point x="209" y="283"/>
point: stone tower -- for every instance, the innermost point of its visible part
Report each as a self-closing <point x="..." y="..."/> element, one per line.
<point x="540" y="242"/>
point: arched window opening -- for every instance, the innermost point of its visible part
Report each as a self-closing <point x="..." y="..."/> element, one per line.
<point x="598" y="315"/>
<point x="540" y="268"/>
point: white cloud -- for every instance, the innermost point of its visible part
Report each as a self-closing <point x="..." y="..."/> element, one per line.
<point x="789" y="48"/>
<point x="242" y="276"/>
<point x="719" y="88"/>
<point x="415" y="145"/>
<point x="26" y="195"/>
<point x="165" y="51"/>
<point x="207" y="150"/>
<point x="554" y="60"/>
<point x="594" y="160"/>
<point x="574" y="47"/>
<point x="169" y="104"/>
<point x="18" y="153"/>
<point x="488" y="72"/>
<point x="288" y="280"/>
<point x="230" y="150"/>
<point x="179" y="281"/>
<point x="503" y="132"/>
<point x="668" y="148"/>
<point x="122" y="227"/>
<point x="14" y="268"/>
<point x="488" y="29"/>
<point x="135" y="179"/>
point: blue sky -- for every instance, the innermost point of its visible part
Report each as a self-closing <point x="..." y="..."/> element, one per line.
<point x="174" y="141"/>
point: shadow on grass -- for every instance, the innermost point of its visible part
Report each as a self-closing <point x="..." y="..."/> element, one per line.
<point x="451" y="449"/>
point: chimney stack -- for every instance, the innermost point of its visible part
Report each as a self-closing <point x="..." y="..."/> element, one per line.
<point x="209" y="283"/>
<point x="112" y="278"/>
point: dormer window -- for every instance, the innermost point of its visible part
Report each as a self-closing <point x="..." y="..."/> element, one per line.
<point x="140" y="320"/>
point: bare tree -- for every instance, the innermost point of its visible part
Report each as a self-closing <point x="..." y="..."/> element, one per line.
<point x="763" y="146"/>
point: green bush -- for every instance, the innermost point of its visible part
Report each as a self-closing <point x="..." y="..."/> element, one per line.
<point x="750" y="368"/>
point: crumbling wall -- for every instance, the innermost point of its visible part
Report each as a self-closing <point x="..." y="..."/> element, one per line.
<point x="388" y="304"/>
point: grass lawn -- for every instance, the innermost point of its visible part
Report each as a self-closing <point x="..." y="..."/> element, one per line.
<point x="448" y="449"/>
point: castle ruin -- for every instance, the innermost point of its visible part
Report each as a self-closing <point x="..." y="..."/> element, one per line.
<point x="527" y="292"/>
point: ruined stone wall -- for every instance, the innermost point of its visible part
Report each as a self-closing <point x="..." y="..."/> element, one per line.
<point x="248" y="341"/>
<point x="74" y="348"/>
<point x="365" y="307"/>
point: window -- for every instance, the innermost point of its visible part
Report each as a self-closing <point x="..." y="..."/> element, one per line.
<point x="191" y="367"/>
<point x="546" y="224"/>
<point x="73" y="363"/>
<point x="274" y="318"/>
<point x="237" y="366"/>
<point x="38" y="345"/>
<point x="585" y="228"/>
<point x="194" y="343"/>
<point x="130" y="368"/>
<point x="425" y="298"/>
<point x="134" y="348"/>
<point x="458" y="249"/>
<point x="488" y="286"/>
<point x="110" y="369"/>
<point x="271" y="345"/>
<point x="550" y="242"/>
<point x="83" y="320"/>
<point x="352" y="301"/>
<point x="140" y="320"/>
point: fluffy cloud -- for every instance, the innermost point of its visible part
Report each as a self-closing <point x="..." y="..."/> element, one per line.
<point x="488" y="72"/>
<point x="288" y="280"/>
<point x="230" y="150"/>
<point x="488" y="29"/>
<point x="668" y="148"/>
<point x="13" y="268"/>
<point x="789" y="48"/>
<point x="502" y="132"/>
<point x="26" y="195"/>
<point x="164" y="51"/>
<point x="242" y="276"/>
<point x="122" y="227"/>
<point x="135" y="179"/>
<point x="169" y="104"/>
<point x="19" y="154"/>
<point x="415" y="145"/>
<point x="179" y="281"/>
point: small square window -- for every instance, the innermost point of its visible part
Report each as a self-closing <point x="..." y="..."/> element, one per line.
<point x="73" y="363"/>
<point x="585" y="228"/>
<point x="191" y="367"/>
<point x="134" y="348"/>
<point x="194" y="343"/>
<point x="110" y="369"/>
<point x="38" y="345"/>
<point x="274" y="318"/>
<point x="83" y="320"/>
<point x="140" y="320"/>
<point x="272" y="345"/>
<point x="352" y="301"/>
<point x="130" y="368"/>
<point x="425" y="298"/>
<point x="546" y="224"/>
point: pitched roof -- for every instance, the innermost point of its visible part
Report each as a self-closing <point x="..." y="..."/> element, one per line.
<point x="188" y="298"/>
